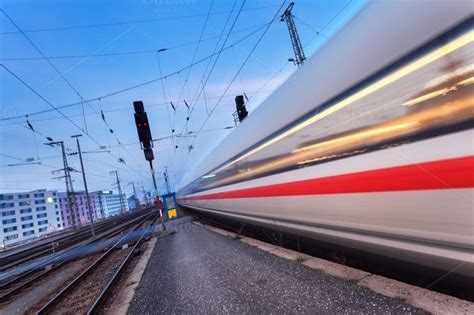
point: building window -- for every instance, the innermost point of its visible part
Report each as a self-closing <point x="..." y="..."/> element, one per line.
<point x="11" y="237"/>
<point x="43" y="222"/>
<point x="41" y="215"/>
<point x="40" y="208"/>
<point x="39" y="202"/>
<point x="28" y="233"/>
<point x="9" y="221"/>
<point x="56" y="206"/>
<point x="10" y="229"/>
<point x="59" y="225"/>
<point x="57" y="219"/>
<point x="24" y="203"/>
<point x="25" y="226"/>
<point x="43" y="229"/>
<point x="27" y="210"/>
<point x="6" y="205"/>
<point x="6" y="197"/>
<point x="7" y="213"/>
<point x="24" y="196"/>
<point x="39" y="195"/>
<point x="29" y="217"/>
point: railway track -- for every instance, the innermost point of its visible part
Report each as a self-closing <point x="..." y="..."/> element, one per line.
<point x="87" y="292"/>
<point x="16" y="258"/>
<point x="17" y="284"/>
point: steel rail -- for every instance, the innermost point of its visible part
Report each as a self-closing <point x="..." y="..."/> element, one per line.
<point x="61" y="294"/>
<point x="15" y="290"/>
<point x="103" y="294"/>
<point x="43" y="249"/>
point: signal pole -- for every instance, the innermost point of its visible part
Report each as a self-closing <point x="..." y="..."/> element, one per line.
<point x="295" y="39"/>
<point x="119" y="191"/>
<point x="146" y="143"/>
<point x="89" y="208"/>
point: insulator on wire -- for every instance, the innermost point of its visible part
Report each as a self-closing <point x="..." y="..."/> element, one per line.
<point x="111" y="131"/>
<point x="30" y="125"/>
<point x="49" y="139"/>
<point x="172" y="105"/>
<point x="186" y="103"/>
<point x="102" y="114"/>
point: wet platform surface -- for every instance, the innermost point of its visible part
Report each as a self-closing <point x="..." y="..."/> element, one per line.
<point x="198" y="271"/>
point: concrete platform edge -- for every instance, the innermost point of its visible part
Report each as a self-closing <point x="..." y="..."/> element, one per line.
<point x="126" y="294"/>
<point x="430" y="301"/>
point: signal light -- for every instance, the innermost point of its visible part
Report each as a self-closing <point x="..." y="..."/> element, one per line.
<point x="240" y="105"/>
<point x="143" y="130"/>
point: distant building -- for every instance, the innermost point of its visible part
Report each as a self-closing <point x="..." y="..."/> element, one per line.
<point x="80" y="205"/>
<point x="28" y="215"/>
<point x="109" y="203"/>
<point x="133" y="202"/>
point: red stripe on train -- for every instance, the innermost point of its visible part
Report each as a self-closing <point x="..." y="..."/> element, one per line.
<point x="444" y="174"/>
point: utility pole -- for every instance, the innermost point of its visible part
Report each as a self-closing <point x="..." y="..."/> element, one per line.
<point x="165" y="174"/>
<point x="119" y="191"/>
<point x="89" y="208"/>
<point x="137" y="202"/>
<point x="295" y="39"/>
<point x="71" y="197"/>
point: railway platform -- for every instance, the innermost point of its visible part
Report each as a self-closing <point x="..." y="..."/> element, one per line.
<point x="196" y="270"/>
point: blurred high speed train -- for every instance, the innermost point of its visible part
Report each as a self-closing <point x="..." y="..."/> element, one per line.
<point x="368" y="145"/>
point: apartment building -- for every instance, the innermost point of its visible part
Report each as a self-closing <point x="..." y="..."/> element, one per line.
<point x="28" y="215"/>
<point x="81" y="211"/>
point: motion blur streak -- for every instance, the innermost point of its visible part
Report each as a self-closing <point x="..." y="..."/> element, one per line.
<point x="444" y="50"/>
<point x="372" y="149"/>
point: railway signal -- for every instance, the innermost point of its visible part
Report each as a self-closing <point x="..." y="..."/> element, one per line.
<point x="240" y="106"/>
<point x="146" y="143"/>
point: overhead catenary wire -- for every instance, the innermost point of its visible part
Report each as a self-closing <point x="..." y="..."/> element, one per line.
<point x="123" y="53"/>
<point x="143" y="83"/>
<point x="130" y="22"/>
<point x="204" y="82"/>
<point x="64" y="79"/>
<point x="238" y="71"/>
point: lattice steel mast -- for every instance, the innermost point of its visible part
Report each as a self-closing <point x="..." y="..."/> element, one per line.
<point x="295" y="39"/>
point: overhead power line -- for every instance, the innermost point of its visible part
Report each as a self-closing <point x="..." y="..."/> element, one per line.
<point x="126" y="53"/>
<point x="120" y="160"/>
<point x="130" y="22"/>
<point x="149" y="81"/>
<point x="124" y="109"/>
<point x="239" y="70"/>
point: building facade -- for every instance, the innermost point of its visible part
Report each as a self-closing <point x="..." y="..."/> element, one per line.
<point x="109" y="204"/>
<point x="28" y="215"/>
<point x="81" y="213"/>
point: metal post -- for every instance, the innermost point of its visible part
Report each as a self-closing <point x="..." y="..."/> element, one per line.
<point x="137" y="203"/>
<point x="71" y="198"/>
<point x="89" y="208"/>
<point x="119" y="191"/>
<point x="156" y="194"/>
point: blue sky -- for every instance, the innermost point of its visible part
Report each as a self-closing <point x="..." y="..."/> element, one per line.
<point x="176" y="25"/>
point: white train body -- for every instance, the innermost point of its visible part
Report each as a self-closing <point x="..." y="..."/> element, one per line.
<point x="368" y="145"/>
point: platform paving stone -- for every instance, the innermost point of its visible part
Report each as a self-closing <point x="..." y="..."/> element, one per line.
<point x="198" y="271"/>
